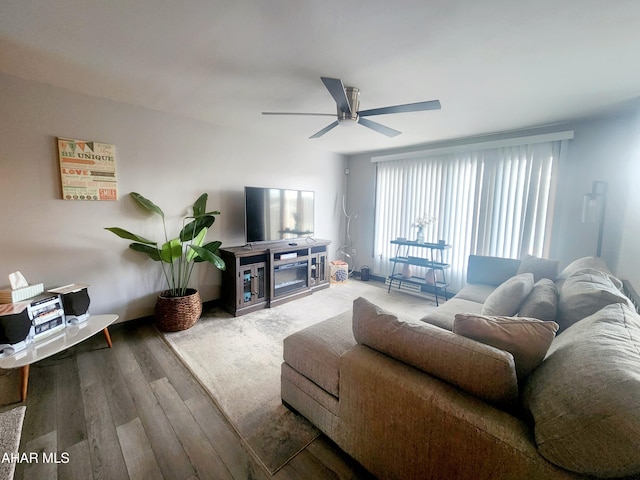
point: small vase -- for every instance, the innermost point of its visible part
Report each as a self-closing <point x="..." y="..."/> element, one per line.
<point x="420" y="238"/>
<point x="406" y="271"/>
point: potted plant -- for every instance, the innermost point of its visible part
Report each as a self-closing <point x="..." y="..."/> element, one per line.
<point x="178" y="307"/>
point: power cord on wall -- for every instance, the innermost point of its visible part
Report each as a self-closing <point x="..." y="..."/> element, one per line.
<point x="344" y="250"/>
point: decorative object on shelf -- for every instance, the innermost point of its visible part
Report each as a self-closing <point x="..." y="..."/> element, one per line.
<point x="430" y="277"/>
<point x="421" y="223"/>
<point x="177" y="257"/>
<point x="406" y="271"/>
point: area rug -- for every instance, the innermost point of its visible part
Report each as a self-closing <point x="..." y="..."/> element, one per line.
<point x="237" y="359"/>
<point x="10" y="432"/>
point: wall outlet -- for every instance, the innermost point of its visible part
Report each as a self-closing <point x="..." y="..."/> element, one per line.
<point x="353" y="252"/>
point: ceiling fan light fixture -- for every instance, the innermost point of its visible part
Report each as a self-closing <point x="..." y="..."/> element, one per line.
<point x="348" y="121"/>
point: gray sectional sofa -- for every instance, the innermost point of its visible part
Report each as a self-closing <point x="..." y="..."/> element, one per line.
<point x="477" y="389"/>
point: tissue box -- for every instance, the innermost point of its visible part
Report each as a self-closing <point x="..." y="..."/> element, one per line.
<point x="7" y="295"/>
<point x="339" y="272"/>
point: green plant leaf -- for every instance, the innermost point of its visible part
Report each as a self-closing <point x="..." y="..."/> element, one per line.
<point x="191" y="254"/>
<point x="211" y="247"/>
<point x="171" y="251"/>
<point x="194" y="227"/>
<point x="147" y="204"/>
<point x="200" y="205"/>
<point x="152" y="252"/>
<point x="122" y="233"/>
<point x="210" y="257"/>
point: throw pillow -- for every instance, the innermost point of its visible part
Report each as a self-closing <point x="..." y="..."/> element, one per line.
<point x="585" y="397"/>
<point x="481" y="370"/>
<point x="584" y="293"/>
<point x="540" y="267"/>
<point x="527" y="339"/>
<point x="507" y="298"/>
<point x="542" y="302"/>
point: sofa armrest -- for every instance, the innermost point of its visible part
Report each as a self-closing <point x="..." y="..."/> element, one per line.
<point x="491" y="270"/>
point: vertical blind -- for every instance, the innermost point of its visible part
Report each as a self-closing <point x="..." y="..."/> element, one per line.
<point x="487" y="202"/>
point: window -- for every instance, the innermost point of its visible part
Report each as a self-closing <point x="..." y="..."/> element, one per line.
<point x="493" y="201"/>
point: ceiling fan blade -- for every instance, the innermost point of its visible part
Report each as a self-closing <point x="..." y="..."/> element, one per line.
<point x="301" y="113"/>
<point x="324" y="130"/>
<point x="389" y="132"/>
<point x="407" y="107"/>
<point x="336" y="89"/>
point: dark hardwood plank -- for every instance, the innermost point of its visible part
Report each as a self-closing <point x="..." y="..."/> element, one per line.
<point x="150" y="367"/>
<point x="172" y="458"/>
<point x="123" y="410"/>
<point x="79" y="465"/>
<point x="69" y="403"/>
<point x="40" y="417"/>
<point x="138" y="455"/>
<point x="177" y="373"/>
<point x="39" y="469"/>
<point x="207" y="462"/>
<point x="104" y="449"/>
<point x="122" y="347"/>
<point x="239" y="462"/>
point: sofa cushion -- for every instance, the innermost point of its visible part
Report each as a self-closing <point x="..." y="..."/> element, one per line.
<point x="444" y="315"/>
<point x="476" y="292"/>
<point x="585" y="397"/>
<point x="583" y="294"/>
<point x="491" y="270"/>
<point x="479" y="369"/>
<point x="540" y="267"/>
<point x="315" y="351"/>
<point x="542" y="302"/>
<point x="507" y="298"/>
<point x="527" y="339"/>
<point x="595" y="263"/>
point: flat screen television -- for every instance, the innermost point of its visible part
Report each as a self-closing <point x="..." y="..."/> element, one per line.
<point x="272" y="214"/>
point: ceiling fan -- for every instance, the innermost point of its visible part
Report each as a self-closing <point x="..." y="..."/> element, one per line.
<point x="348" y="102"/>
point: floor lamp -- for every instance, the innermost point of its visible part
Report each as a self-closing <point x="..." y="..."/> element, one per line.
<point x="594" y="206"/>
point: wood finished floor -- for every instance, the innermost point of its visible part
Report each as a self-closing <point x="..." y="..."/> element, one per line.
<point x="135" y="412"/>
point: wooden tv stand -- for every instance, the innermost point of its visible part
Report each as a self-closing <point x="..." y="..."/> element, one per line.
<point x="264" y="275"/>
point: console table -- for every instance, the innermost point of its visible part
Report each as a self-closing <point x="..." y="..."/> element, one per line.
<point x="426" y="255"/>
<point x="267" y="274"/>
<point x="49" y="345"/>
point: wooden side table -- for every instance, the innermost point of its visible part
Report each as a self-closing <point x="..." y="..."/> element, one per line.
<point x="47" y="346"/>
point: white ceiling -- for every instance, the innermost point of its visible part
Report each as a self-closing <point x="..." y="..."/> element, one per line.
<point x="495" y="65"/>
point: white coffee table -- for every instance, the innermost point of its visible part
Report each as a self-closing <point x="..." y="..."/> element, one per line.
<point x="49" y="345"/>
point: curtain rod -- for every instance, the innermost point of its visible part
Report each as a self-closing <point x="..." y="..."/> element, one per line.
<point x="507" y="142"/>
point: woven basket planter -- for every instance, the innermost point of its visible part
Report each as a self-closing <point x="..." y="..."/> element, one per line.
<point x="173" y="314"/>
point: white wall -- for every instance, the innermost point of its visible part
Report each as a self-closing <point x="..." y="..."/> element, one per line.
<point x="169" y="159"/>
<point x="629" y="261"/>
<point x="603" y="149"/>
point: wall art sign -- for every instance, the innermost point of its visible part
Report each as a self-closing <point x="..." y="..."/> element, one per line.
<point x="87" y="170"/>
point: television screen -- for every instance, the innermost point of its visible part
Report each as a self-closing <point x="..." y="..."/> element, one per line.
<point x="276" y="214"/>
